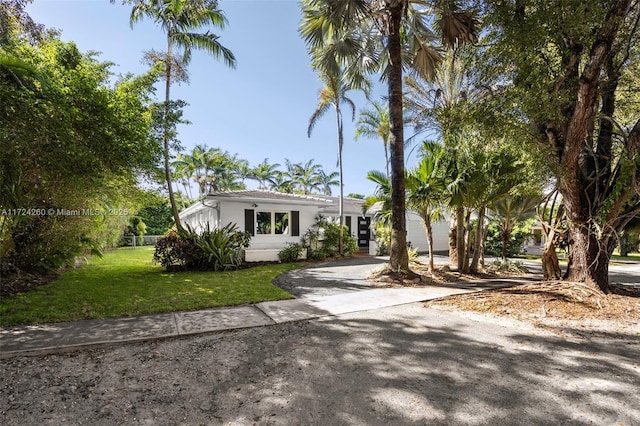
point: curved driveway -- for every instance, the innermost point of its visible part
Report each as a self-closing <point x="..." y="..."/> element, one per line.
<point x="328" y="278"/>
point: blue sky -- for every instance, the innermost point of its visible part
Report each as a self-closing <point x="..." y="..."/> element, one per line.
<point x="259" y="110"/>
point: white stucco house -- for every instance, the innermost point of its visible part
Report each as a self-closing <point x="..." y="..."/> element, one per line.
<point x="273" y="219"/>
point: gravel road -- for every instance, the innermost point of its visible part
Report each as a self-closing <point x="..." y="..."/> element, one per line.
<point x="404" y="365"/>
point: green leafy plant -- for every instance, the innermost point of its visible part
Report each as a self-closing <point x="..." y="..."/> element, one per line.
<point x="508" y="266"/>
<point x="383" y="238"/>
<point x="493" y="240"/>
<point x="323" y="239"/>
<point x="217" y="249"/>
<point x="221" y="249"/>
<point x="291" y="252"/>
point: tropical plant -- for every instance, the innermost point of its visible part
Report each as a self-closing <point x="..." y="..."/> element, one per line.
<point x="336" y="25"/>
<point x="496" y="245"/>
<point x="375" y="123"/>
<point x="211" y="169"/>
<point x="323" y="238"/>
<point x="426" y="187"/>
<point x="304" y="177"/>
<point x="178" y="19"/>
<point x="382" y="195"/>
<point x="265" y="174"/>
<point x="282" y="182"/>
<point x="334" y="94"/>
<point x="68" y="113"/>
<point x="291" y="252"/>
<point x="326" y="181"/>
<point x="510" y="210"/>
<point x="212" y="249"/>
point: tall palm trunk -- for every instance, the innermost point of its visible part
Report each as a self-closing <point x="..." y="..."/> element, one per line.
<point x="399" y="258"/>
<point x="165" y="137"/>
<point x="341" y="202"/>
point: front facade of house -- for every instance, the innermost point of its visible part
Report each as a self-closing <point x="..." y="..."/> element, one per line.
<point x="273" y="219"/>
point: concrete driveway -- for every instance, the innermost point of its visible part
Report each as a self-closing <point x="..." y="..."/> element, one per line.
<point x="329" y="278"/>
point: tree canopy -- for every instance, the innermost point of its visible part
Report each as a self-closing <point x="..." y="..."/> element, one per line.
<point x="72" y="146"/>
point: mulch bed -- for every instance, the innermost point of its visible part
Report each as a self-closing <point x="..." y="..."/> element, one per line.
<point x="550" y="304"/>
<point x="22" y="282"/>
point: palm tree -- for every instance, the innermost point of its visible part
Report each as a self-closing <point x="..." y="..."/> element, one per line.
<point x="178" y="19"/>
<point x="282" y="182"/>
<point x="326" y="181"/>
<point x="398" y="21"/>
<point x="436" y="105"/>
<point x="426" y="186"/>
<point x="243" y="170"/>
<point x="304" y="177"/>
<point x="381" y="195"/>
<point x="265" y="174"/>
<point x="334" y="94"/>
<point x="375" y="123"/>
<point x="510" y="210"/>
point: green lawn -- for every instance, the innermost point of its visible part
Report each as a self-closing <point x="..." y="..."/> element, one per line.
<point x="126" y="283"/>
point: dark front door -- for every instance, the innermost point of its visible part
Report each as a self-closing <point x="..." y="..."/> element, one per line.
<point x="364" y="233"/>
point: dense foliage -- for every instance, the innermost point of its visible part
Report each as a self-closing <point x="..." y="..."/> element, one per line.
<point x="156" y="214"/>
<point x="565" y="79"/>
<point x="71" y="147"/>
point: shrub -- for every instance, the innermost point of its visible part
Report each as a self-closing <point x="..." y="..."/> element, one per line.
<point x="291" y="252"/>
<point x="508" y="266"/>
<point x="213" y="249"/>
<point x="493" y="240"/>
<point x="329" y="245"/>
<point x="221" y="249"/>
<point x="383" y="239"/>
<point x="175" y="252"/>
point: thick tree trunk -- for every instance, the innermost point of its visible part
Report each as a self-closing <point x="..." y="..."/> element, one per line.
<point x="550" y="264"/>
<point x="581" y="182"/>
<point x="398" y="259"/>
<point x="588" y="258"/>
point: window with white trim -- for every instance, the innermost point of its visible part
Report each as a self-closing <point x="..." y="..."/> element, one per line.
<point x="272" y="223"/>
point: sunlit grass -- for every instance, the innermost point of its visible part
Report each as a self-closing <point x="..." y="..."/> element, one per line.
<point x="126" y="283"/>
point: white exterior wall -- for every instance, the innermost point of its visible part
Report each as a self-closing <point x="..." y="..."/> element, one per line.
<point x="199" y="218"/>
<point x="418" y="237"/>
<point x="234" y="212"/>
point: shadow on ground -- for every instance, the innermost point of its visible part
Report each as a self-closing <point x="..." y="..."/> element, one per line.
<point x="405" y="365"/>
